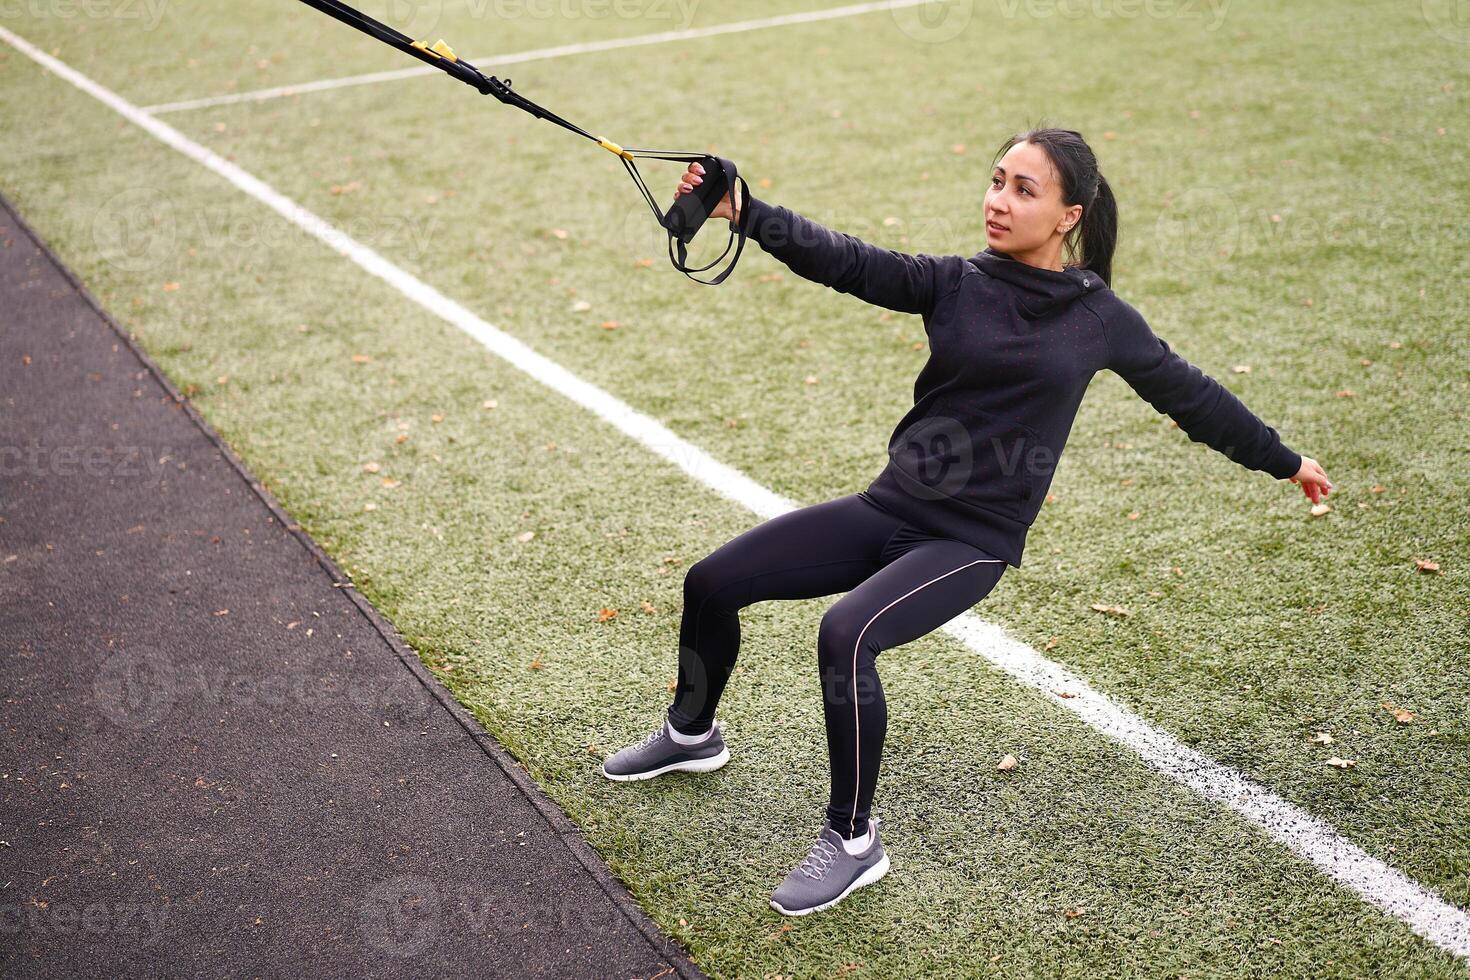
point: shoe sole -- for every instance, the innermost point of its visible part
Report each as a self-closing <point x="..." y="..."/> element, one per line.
<point x="866" y="878"/>
<point x="695" y="765"/>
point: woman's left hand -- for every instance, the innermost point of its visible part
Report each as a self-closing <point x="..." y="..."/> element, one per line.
<point x="1313" y="479"/>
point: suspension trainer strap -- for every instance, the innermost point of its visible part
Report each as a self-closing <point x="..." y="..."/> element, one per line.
<point x="683" y="219"/>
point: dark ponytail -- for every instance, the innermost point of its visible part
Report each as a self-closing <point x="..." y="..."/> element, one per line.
<point x="1082" y="183"/>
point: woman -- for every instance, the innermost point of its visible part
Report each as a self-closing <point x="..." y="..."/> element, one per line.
<point x="1015" y="336"/>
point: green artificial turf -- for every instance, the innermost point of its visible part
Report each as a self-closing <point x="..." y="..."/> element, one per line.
<point x="1290" y="153"/>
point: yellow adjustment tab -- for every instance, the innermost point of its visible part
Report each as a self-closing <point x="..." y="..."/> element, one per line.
<point x="443" y="50"/>
<point x="424" y="48"/>
<point x="612" y="147"/>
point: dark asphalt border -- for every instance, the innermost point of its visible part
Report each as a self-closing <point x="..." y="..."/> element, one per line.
<point x="568" y="831"/>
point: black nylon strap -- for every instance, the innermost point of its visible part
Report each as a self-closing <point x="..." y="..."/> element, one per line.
<point x="490" y="85"/>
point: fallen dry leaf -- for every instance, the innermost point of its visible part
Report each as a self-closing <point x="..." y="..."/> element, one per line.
<point x="1337" y="763"/>
<point x="1007" y="763"/>
<point x="525" y="536"/>
<point x="1400" y="715"/>
<point x="1320" y="509"/>
<point x="605" y="613"/>
<point x="1425" y="565"/>
<point x="581" y="306"/>
<point x="170" y="287"/>
<point x="1111" y="610"/>
<point x="370" y="467"/>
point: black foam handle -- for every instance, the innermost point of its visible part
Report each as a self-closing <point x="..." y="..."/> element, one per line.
<point x="689" y="211"/>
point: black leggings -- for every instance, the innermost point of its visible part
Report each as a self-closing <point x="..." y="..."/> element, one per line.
<point x="903" y="584"/>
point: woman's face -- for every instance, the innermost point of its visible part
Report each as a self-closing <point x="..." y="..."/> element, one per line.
<point x="1024" y="214"/>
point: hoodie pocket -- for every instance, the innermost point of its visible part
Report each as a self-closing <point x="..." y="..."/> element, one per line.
<point x="960" y="452"/>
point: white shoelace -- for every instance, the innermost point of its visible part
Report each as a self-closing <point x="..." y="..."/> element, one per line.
<point x="650" y="738"/>
<point x="818" y="860"/>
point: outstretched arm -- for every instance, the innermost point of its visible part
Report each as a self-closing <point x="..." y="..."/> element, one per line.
<point x="893" y="280"/>
<point x="1206" y="410"/>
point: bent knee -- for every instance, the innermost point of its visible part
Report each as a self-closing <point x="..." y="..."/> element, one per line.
<point x="707" y="584"/>
<point x="840" y="636"/>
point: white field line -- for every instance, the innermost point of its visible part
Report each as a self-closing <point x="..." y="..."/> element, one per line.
<point x="561" y="51"/>
<point x="1380" y="884"/>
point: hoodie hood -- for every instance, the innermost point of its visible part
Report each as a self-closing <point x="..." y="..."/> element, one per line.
<point x="1039" y="292"/>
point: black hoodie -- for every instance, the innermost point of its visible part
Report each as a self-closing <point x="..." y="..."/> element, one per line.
<point x="1012" y="348"/>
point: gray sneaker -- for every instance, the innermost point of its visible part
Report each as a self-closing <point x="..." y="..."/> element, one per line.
<point x="828" y="874"/>
<point x="657" y="753"/>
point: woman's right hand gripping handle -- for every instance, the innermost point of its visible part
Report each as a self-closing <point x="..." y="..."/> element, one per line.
<point x="693" y="177"/>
